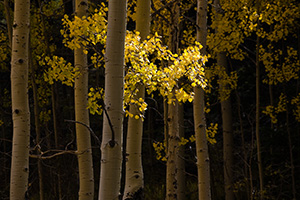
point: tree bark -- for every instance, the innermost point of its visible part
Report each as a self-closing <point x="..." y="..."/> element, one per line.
<point x="111" y="147"/>
<point x="203" y="165"/>
<point x="226" y="121"/>
<point x="227" y="136"/>
<point x="181" y="188"/>
<point x="134" y="178"/>
<point x="8" y="21"/>
<point x="36" y="110"/>
<point x="257" y="125"/>
<point x="173" y="121"/>
<point x="85" y="161"/>
<point x="172" y="152"/>
<point x="20" y="104"/>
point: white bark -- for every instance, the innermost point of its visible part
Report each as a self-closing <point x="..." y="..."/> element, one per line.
<point x="134" y="178"/>
<point x="172" y="152"/>
<point x="20" y="105"/>
<point x="111" y="147"/>
<point x="203" y="165"/>
<point x="85" y="161"/>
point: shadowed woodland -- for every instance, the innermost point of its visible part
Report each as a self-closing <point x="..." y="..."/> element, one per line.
<point x="149" y="99"/>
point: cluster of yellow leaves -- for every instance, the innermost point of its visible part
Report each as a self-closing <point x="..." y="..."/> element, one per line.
<point x="227" y="81"/>
<point x="86" y="31"/>
<point x="94" y="97"/>
<point x="189" y="65"/>
<point x="3" y="49"/>
<point x="141" y="105"/>
<point x="44" y="93"/>
<point x="296" y="102"/>
<point x="160" y="149"/>
<point x="131" y="10"/>
<point x="45" y="116"/>
<point x="233" y="25"/>
<point x="1" y="122"/>
<point x="278" y="72"/>
<point x="162" y="17"/>
<point x="273" y="111"/>
<point x="211" y="132"/>
<point x="163" y="71"/>
<point x="183" y="141"/>
<point x="239" y="19"/>
<point x="40" y="45"/>
<point x="52" y="8"/>
<point x="188" y="36"/>
<point x="281" y="15"/>
<point x="148" y="62"/>
<point x="59" y="70"/>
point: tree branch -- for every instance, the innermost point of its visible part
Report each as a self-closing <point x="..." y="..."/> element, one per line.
<point x="89" y="128"/>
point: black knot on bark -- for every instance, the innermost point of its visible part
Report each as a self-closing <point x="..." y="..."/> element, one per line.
<point x="112" y="143"/>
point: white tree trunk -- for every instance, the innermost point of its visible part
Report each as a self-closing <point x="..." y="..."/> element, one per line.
<point x="111" y="147"/>
<point x="134" y="178"/>
<point x="85" y="161"/>
<point x="172" y="152"/>
<point x="20" y="106"/>
<point x="203" y="164"/>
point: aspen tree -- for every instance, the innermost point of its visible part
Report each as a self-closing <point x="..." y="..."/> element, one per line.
<point x="134" y="177"/>
<point x="181" y="184"/>
<point x="203" y="165"/>
<point x="172" y="120"/>
<point x="111" y="147"/>
<point x="85" y="162"/>
<point x="227" y="122"/>
<point x="257" y="110"/>
<point x="227" y="135"/>
<point x="20" y="104"/>
<point x="8" y="20"/>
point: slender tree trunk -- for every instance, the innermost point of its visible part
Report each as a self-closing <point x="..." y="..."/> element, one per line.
<point x="172" y="152"/>
<point x="203" y="165"/>
<point x="134" y="178"/>
<point x="8" y="21"/>
<point x="20" y="104"/>
<point x="181" y="188"/>
<point x="36" y="109"/>
<point x="293" y="185"/>
<point x="227" y="123"/>
<point x="227" y="136"/>
<point x="166" y="128"/>
<point x="172" y="121"/>
<point x="259" y="159"/>
<point x="246" y="165"/>
<point x="54" y="106"/>
<point x="111" y="147"/>
<point x="85" y="161"/>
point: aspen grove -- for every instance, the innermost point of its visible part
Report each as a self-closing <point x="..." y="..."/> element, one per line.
<point x="150" y="99"/>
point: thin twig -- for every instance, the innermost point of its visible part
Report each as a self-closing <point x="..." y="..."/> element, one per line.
<point x="90" y="129"/>
<point x="61" y="152"/>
